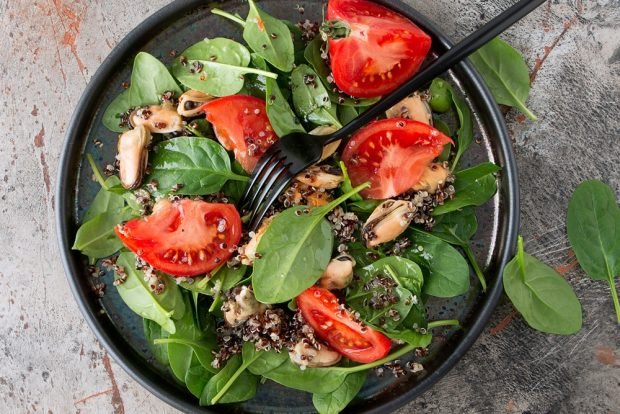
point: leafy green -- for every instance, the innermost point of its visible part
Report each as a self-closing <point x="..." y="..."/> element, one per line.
<point x="505" y="73"/>
<point x="197" y="378"/>
<point x="593" y="226"/>
<point x="458" y="228"/>
<point x="152" y="332"/>
<point x="149" y="80"/>
<point x="138" y="296"/>
<point x="364" y="256"/>
<point x="105" y="200"/>
<point x="446" y="271"/>
<point x="232" y="384"/>
<point x="314" y="380"/>
<point x="234" y="188"/>
<point x="310" y="98"/>
<point x="215" y="66"/>
<point x="270" y="38"/>
<point x="262" y="361"/>
<point x="346" y="114"/>
<point x="473" y="186"/>
<point x="405" y="287"/>
<point x="546" y="301"/>
<point x="347" y="185"/>
<point x="465" y="133"/>
<point x="96" y="238"/>
<point x="337" y="400"/>
<point x="295" y="250"/>
<point x="201" y="166"/>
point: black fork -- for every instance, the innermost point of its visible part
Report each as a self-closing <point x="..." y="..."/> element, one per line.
<point x="295" y="152"/>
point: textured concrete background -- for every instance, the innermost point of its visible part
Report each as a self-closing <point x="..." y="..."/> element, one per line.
<point x="50" y="361"/>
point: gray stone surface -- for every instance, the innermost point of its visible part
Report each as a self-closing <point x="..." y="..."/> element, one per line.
<point x="50" y="361"/>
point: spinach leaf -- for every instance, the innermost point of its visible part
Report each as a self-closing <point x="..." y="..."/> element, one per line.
<point x="197" y="378"/>
<point x="105" y="200"/>
<point x="294" y="250"/>
<point x="505" y="73"/>
<point x="458" y="228"/>
<point x="299" y="44"/>
<point x="364" y="206"/>
<point x="149" y="80"/>
<point x="152" y="332"/>
<point x="262" y="361"/>
<point x="346" y="114"/>
<point x="234" y="188"/>
<point x="137" y="295"/>
<point x="314" y="380"/>
<point x="309" y="94"/>
<point x="270" y="38"/>
<point x="546" y="301"/>
<point x="446" y="272"/>
<point x="337" y="400"/>
<point x="347" y="185"/>
<point x="593" y="226"/>
<point x="281" y="116"/>
<point x="412" y="337"/>
<point x="473" y="186"/>
<point x="96" y="238"/>
<point x="215" y="66"/>
<point x="465" y="133"/>
<point x="385" y="291"/>
<point x="201" y="166"/>
<point x="364" y="256"/>
<point x="313" y="57"/>
<point x="232" y="384"/>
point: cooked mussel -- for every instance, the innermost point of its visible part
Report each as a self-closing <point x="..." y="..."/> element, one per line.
<point x="133" y="156"/>
<point x="414" y="107"/>
<point x="191" y="102"/>
<point x="389" y="220"/>
<point x="159" y="119"/>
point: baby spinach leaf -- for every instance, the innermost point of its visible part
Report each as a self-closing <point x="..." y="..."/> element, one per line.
<point x="281" y="116"/>
<point x="473" y="186"/>
<point x="364" y="256"/>
<point x="411" y="337"/>
<point x="234" y="188"/>
<point x="215" y="66"/>
<point x="313" y="57"/>
<point x="364" y="206"/>
<point x="347" y="185"/>
<point x="593" y="226"/>
<point x="309" y="94"/>
<point x="505" y="73"/>
<point x="137" y="295"/>
<point x="197" y="378"/>
<point x="232" y="384"/>
<point x="152" y="332"/>
<point x="314" y="380"/>
<point x="446" y="272"/>
<point x="465" y="133"/>
<point x="96" y="238"/>
<point x="295" y="250"/>
<point x="105" y="200"/>
<point x="262" y="361"/>
<point x="458" y="228"/>
<point x="201" y="166"/>
<point x="149" y="80"/>
<point x="346" y="114"/>
<point x="337" y="400"/>
<point x="395" y="281"/>
<point x="546" y="301"/>
<point x="270" y="38"/>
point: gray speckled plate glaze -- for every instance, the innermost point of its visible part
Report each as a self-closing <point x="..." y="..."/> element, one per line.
<point x="178" y="26"/>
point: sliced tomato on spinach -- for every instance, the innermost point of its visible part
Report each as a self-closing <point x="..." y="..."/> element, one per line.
<point x="241" y="125"/>
<point x="392" y="154"/>
<point x="336" y="326"/>
<point x="382" y="50"/>
<point x="184" y="237"/>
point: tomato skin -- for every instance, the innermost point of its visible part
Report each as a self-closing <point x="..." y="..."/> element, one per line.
<point x="383" y="50"/>
<point x="320" y="309"/>
<point x="241" y="125"/>
<point x="183" y="238"/>
<point x="392" y="154"/>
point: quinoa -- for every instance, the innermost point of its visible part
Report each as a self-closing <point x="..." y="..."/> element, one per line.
<point x="344" y="225"/>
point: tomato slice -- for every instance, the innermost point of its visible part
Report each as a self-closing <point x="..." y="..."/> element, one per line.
<point x="242" y="126"/>
<point x="337" y="327"/>
<point x="392" y="154"/>
<point x="184" y="237"/>
<point x="383" y="50"/>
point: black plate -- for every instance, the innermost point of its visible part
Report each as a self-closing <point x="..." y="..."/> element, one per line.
<point x="179" y="25"/>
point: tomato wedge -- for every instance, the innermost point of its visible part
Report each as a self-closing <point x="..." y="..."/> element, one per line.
<point x="184" y="237"/>
<point x="383" y="50"/>
<point x="336" y="326"/>
<point x="392" y="154"/>
<point x="242" y="126"/>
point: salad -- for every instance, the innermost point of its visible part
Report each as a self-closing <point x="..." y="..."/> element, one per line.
<point x="331" y="288"/>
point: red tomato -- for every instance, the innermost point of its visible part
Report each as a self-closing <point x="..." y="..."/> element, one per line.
<point x="383" y="50"/>
<point x="392" y="154"/>
<point x="185" y="237"/>
<point x="336" y="326"/>
<point x="242" y="126"/>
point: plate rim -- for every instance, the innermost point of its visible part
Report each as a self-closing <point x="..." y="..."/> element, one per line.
<point x="65" y="229"/>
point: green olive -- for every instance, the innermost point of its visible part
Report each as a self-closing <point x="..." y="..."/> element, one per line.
<point x="441" y="96"/>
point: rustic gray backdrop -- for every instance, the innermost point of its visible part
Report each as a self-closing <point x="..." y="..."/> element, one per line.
<point x="50" y="361"/>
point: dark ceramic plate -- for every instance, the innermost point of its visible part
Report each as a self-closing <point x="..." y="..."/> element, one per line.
<point x="176" y="27"/>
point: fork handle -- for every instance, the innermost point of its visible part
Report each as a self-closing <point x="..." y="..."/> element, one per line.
<point x="446" y="61"/>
